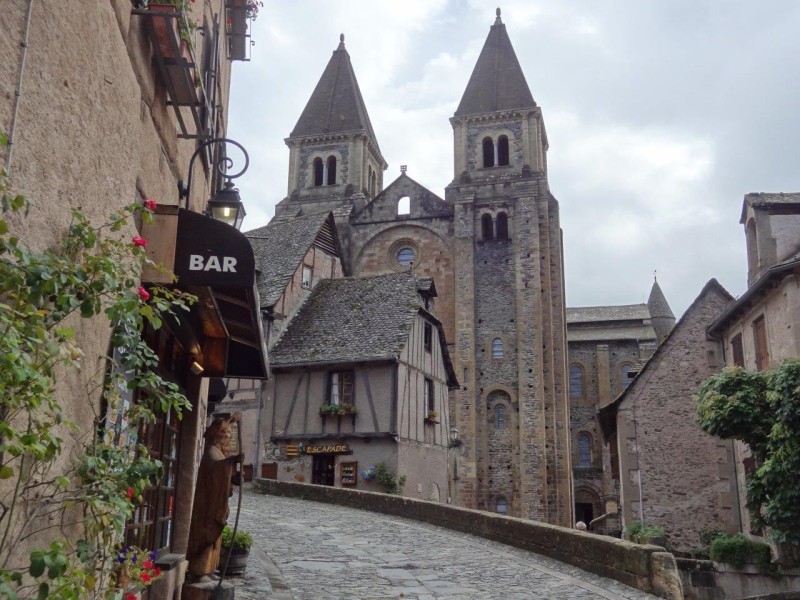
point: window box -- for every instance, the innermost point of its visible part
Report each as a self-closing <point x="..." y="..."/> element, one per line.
<point x="238" y="15"/>
<point x="337" y="409"/>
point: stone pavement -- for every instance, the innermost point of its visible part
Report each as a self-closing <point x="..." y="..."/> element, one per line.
<point x="313" y="551"/>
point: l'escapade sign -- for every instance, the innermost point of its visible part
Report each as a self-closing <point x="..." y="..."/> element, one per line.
<point x="328" y="449"/>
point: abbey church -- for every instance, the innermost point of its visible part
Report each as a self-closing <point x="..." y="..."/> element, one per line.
<point x="492" y="247"/>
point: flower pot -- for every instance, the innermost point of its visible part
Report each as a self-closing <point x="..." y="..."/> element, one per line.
<point x="237" y="30"/>
<point x="165" y="29"/>
<point x="237" y="563"/>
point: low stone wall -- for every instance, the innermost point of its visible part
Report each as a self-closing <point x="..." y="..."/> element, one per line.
<point x="707" y="580"/>
<point x="648" y="568"/>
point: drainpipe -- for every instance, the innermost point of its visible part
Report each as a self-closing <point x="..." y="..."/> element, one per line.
<point x="18" y="91"/>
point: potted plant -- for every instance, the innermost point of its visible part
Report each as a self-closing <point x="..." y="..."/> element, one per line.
<point x="329" y="409"/>
<point x="347" y="409"/>
<point x="134" y="571"/>
<point x="238" y="547"/>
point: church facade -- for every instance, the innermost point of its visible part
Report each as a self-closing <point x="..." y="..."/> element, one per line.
<point x="493" y="246"/>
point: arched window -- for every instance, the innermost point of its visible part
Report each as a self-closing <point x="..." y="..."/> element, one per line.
<point x="501" y="506"/>
<point x="500" y="417"/>
<point x="487" y="227"/>
<point x="502" y="151"/>
<point x="318" y="172"/>
<point x="502" y="226"/>
<point x="373" y="186"/>
<point x="369" y="179"/>
<point x="404" y="206"/>
<point x="575" y="381"/>
<point x="331" y="170"/>
<point x="497" y="348"/>
<point x="584" y="450"/>
<point x="488" y="152"/>
<point x="624" y="376"/>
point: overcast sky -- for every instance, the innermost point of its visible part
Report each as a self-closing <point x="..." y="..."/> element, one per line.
<point x="660" y="117"/>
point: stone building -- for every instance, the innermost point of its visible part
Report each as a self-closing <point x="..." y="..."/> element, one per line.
<point x="492" y="245"/>
<point x="100" y="115"/>
<point x="762" y="327"/>
<point x="607" y="347"/>
<point x="669" y="472"/>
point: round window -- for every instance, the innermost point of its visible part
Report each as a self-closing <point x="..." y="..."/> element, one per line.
<point x="405" y="256"/>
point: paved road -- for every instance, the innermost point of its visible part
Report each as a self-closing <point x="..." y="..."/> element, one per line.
<point x="313" y="551"/>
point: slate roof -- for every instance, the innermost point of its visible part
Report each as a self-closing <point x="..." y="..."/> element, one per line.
<point x="279" y="248"/>
<point x="768" y="198"/>
<point x="352" y="319"/>
<point x="657" y="303"/>
<point x="622" y="312"/>
<point x="497" y="82"/>
<point x="336" y="104"/>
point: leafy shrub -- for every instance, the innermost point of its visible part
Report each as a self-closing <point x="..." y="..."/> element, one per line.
<point x="641" y="534"/>
<point x="737" y="550"/>
<point x="391" y="482"/>
<point x="242" y="541"/>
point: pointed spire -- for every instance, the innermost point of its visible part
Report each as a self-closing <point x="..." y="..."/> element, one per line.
<point x="497" y="82"/>
<point x="336" y="104"/>
<point x="657" y="303"/>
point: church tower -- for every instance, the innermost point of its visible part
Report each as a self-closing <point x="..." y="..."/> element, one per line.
<point x="510" y="343"/>
<point x="334" y="158"/>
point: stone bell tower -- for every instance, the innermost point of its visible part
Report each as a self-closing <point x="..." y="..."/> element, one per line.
<point x="510" y="347"/>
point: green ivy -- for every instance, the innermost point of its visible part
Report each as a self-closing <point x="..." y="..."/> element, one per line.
<point x="761" y="409"/>
<point x="47" y="493"/>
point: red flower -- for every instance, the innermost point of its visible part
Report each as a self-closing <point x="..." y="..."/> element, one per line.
<point x="139" y="241"/>
<point x="157" y="572"/>
<point x="131" y="596"/>
<point x="145" y="577"/>
<point x="145" y="296"/>
<point x="130" y="490"/>
<point x="150" y="204"/>
<point x="148" y="564"/>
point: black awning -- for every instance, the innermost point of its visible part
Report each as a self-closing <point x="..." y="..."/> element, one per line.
<point x="215" y="262"/>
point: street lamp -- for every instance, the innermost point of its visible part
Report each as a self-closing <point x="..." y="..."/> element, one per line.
<point x="226" y="204"/>
<point x="455" y="442"/>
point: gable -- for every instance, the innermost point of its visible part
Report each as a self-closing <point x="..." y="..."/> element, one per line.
<point x="424" y="204"/>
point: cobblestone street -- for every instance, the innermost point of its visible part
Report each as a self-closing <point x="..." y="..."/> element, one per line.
<point x="312" y="551"/>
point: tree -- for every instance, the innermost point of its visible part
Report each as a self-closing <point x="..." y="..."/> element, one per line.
<point x="761" y="409"/>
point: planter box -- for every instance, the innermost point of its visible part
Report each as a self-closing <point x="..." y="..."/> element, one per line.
<point x="237" y="30"/>
<point x="237" y="563"/>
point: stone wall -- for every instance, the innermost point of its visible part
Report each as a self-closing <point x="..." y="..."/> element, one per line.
<point x="647" y="568"/>
<point x="707" y="580"/>
<point x="687" y="479"/>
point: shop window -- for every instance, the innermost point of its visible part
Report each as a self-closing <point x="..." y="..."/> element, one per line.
<point x="760" y="343"/>
<point x="575" y="381"/>
<point x="487" y="227"/>
<point x="428" y="337"/>
<point x="500" y="417"/>
<point x="306" y="280"/>
<point x="497" y="348"/>
<point x="501" y="506"/>
<point x="502" y="151"/>
<point x="331" y="178"/>
<point x="318" y="172"/>
<point x="151" y="525"/>
<point x="502" y="226"/>
<point x="404" y="206"/>
<point x="341" y="388"/>
<point x="584" y="450"/>
<point x="737" y="350"/>
<point x="405" y="256"/>
<point x="429" y="404"/>
<point x="488" y="152"/>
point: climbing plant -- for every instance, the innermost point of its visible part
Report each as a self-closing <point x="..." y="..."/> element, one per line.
<point x="761" y="409"/>
<point x="71" y="487"/>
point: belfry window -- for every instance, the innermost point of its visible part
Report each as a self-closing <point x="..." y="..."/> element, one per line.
<point x="502" y="151"/>
<point x="488" y="152"/>
<point x="502" y="226"/>
<point x="487" y="227"/>
<point x="331" y="175"/>
<point x="318" y="172"/>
